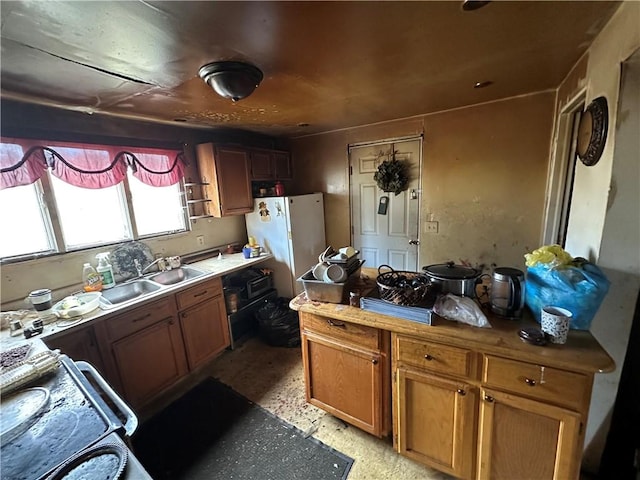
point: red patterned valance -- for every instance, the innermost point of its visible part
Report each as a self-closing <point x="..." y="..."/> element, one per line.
<point x="24" y="161"/>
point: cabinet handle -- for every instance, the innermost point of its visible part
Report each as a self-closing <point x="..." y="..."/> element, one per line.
<point x="141" y="318"/>
<point x="374" y="361"/>
<point x="489" y="398"/>
<point x="333" y="324"/>
<point x="199" y="294"/>
<point x="530" y="381"/>
<point x="461" y="392"/>
<point x="428" y="357"/>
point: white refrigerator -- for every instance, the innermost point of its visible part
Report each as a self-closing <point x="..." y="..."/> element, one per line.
<point x="291" y="229"/>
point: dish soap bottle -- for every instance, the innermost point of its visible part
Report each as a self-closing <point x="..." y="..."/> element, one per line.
<point x="91" y="279"/>
<point x="105" y="270"/>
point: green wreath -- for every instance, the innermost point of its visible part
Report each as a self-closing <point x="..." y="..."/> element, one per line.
<point x="392" y="176"/>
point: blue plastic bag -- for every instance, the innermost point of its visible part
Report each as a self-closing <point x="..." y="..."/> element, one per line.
<point x="578" y="289"/>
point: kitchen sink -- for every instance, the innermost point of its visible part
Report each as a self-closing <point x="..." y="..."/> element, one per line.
<point x="127" y="291"/>
<point x="176" y="275"/>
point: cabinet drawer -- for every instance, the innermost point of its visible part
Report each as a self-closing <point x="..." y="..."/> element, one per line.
<point x="197" y="294"/>
<point x="435" y="357"/>
<point x="359" y="335"/>
<point x="538" y="381"/>
<point x="139" y="318"/>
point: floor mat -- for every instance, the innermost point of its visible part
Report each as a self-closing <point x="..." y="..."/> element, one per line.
<point x="215" y="433"/>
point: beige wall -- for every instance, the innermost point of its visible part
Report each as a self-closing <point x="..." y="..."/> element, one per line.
<point x="483" y="176"/>
<point x="63" y="273"/>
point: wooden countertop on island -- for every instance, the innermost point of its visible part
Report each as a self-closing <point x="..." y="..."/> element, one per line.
<point x="582" y="352"/>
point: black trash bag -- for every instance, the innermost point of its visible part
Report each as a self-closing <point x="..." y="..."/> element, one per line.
<point x="278" y="324"/>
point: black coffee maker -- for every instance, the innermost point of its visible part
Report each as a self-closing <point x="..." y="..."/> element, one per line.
<point x="507" y="292"/>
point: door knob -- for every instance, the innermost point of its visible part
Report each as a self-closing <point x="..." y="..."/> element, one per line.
<point x="414" y="242"/>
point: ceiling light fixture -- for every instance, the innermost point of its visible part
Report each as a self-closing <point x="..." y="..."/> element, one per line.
<point x="234" y="80"/>
<point x="470" y="5"/>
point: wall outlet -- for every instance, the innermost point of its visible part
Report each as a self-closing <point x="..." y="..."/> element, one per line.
<point x="200" y="240"/>
<point x="430" y="227"/>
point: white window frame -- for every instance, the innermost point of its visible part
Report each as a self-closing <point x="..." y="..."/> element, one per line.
<point x="561" y="171"/>
<point x="50" y="215"/>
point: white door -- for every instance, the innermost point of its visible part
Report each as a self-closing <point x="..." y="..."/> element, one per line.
<point x="385" y="225"/>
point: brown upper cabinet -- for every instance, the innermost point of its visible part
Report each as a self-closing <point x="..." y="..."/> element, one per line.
<point x="270" y="165"/>
<point x="224" y="171"/>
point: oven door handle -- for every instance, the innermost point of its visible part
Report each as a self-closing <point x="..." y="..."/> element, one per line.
<point x="131" y="424"/>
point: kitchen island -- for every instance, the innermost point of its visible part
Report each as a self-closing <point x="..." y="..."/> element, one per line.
<point x="471" y="402"/>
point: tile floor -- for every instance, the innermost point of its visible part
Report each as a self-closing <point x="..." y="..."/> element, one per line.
<point x="272" y="377"/>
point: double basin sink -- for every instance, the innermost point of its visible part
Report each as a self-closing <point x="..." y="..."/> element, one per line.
<point x="141" y="287"/>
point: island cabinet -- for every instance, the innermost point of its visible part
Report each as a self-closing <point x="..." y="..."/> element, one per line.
<point x="145" y="350"/>
<point x="224" y="172"/>
<point x="203" y="320"/>
<point x="347" y="371"/>
<point x="476" y="415"/>
<point x="435" y="404"/>
<point x="534" y="412"/>
<point x="476" y="403"/>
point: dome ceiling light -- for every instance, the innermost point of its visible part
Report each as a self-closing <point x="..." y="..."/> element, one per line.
<point x="470" y="5"/>
<point x="234" y="80"/>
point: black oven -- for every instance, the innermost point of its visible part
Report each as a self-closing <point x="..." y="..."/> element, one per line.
<point x="249" y="283"/>
<point x="67" y="420"/>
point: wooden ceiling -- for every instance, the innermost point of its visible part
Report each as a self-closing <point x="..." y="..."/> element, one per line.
<point x="330" y="65"/>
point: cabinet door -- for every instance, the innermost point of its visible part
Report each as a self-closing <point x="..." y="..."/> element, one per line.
<point x="232" y="165"/>
<point x="436" y="421"/>
<point x="527" y="439"/>
<point x="344" y="381"/>
<point x="261" y="166"/>
<point x="282" y="165"/>
<point x="150" y="361"/>
<point x="79" y="345"/>
<point x="205" y="330"/>
<point x="226" y="171"/>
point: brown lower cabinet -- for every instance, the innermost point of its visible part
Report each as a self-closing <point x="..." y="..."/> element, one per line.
<point x="346" y="370"/>
<point x="150" y="360"/>
<point x="436" y="420"/>
<point x="80" y="344"/>
<point x="476" y="415"/>
<point x="147" y="350"/>
<point x="474" y="403"/>
<point x="203" y="320"/>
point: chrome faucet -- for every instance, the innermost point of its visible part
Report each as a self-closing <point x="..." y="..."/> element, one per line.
<point x="141" y="271"/>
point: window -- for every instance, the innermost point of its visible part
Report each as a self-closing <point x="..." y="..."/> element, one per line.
<point x="68" y="197"/>
<point x="90" y="217"/>
<point x="25" y="222"/>
<point x="157" y="209"/>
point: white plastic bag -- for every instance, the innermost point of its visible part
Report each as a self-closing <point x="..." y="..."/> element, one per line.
<point x="461" y="309"/>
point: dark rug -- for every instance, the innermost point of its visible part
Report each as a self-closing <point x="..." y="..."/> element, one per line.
<point x="213" y="432"/>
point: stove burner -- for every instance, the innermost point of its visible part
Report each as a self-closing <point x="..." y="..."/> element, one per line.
<point x="106" y="461"/>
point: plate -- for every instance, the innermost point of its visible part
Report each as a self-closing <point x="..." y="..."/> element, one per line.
<point x="88" y="302"/>
<point x="122" y="259"/>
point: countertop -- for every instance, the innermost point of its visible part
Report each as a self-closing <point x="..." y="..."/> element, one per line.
<point x="582" y="352"/>
<point x="212" y="268"/>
